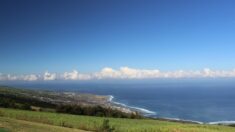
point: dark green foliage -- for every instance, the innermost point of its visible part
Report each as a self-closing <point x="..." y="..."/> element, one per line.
<point x="106" y="127"/>
<point x="3" y="130"/>
<point x="26" y="106"/>
<point x="14" y="101"/>
<point x="232" y="125"/>
<point x="94" y="111"/>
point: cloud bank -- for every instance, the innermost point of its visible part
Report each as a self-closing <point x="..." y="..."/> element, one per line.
<point x="121" y="73"/>
<point x="49" y="76"/>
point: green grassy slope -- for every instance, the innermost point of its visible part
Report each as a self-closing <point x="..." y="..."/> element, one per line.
<point x="121" y="125"/>
<point x="13" y="125"/>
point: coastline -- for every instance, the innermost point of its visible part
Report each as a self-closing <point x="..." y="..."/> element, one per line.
<point x="108" y="101"/>
<point x="132" y="109"/>
<point x="152" y="115"/>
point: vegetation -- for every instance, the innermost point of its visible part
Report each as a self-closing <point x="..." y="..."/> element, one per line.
<point x="40" y="112"/>
<point x="106" y="127"/>
<point x="30" y="104"/>
<point x="13" y="101"/>
<point x="232" y="125"/>
<point x="94" y="111"/>
<point x="13" y="125"/>
<point x="14" y="98"/>
<point x="119" y="124"/>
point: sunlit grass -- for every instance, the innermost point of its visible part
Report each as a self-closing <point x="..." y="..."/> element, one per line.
<point x="121" y="125"/>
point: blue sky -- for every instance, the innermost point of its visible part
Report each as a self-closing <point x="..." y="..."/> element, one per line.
<point x="88" y="35"/>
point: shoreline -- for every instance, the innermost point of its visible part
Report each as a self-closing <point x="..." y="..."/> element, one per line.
<point x="130" y="109"/>
<point x="150" y="114"/>
<point x="142" y="111"/>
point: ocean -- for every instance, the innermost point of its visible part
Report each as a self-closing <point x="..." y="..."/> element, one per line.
<point x="202" y="101"/>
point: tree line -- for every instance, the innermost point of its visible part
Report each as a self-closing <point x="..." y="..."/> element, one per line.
<point x="95" y="111"/>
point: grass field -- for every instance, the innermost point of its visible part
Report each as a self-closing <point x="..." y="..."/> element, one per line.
<point x="13" y="125"/>
<point x="92" y="123"/>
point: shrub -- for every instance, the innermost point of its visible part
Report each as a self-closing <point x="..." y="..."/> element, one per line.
<point x="1" y="113"/>
<point x="65" y="124"/>
<point x="106" y="127"/>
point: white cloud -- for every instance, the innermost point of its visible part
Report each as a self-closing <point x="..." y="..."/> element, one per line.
<point x="75" y="75"/>
<point x="131" y="73"/>
<point x="106" y="73"/>
<point x="71" y="75"/>
<point x="12" y="77"/>
<point x="208" y="72"/>
<point x="9" y="77"/>
<point x="84" y="77"/>
<point x="49" y="76"/>
<point x="122" y="73"/>
<point x="30" y="77"/>
<point x="139" y="73"/>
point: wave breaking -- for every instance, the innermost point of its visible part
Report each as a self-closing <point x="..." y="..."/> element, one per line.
<point x="143" y="111"/>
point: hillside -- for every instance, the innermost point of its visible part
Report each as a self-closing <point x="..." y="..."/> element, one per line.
<point x="13" y="125"/>
<point x="94" y="123"/>
<point x="53" y="97"/>
<point x="62" y="102"/>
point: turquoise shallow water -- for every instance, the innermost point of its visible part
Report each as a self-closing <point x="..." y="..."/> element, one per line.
<point x="204" y="102"/>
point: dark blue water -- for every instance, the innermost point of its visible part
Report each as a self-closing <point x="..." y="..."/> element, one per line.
<point x="205" y="102"/>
